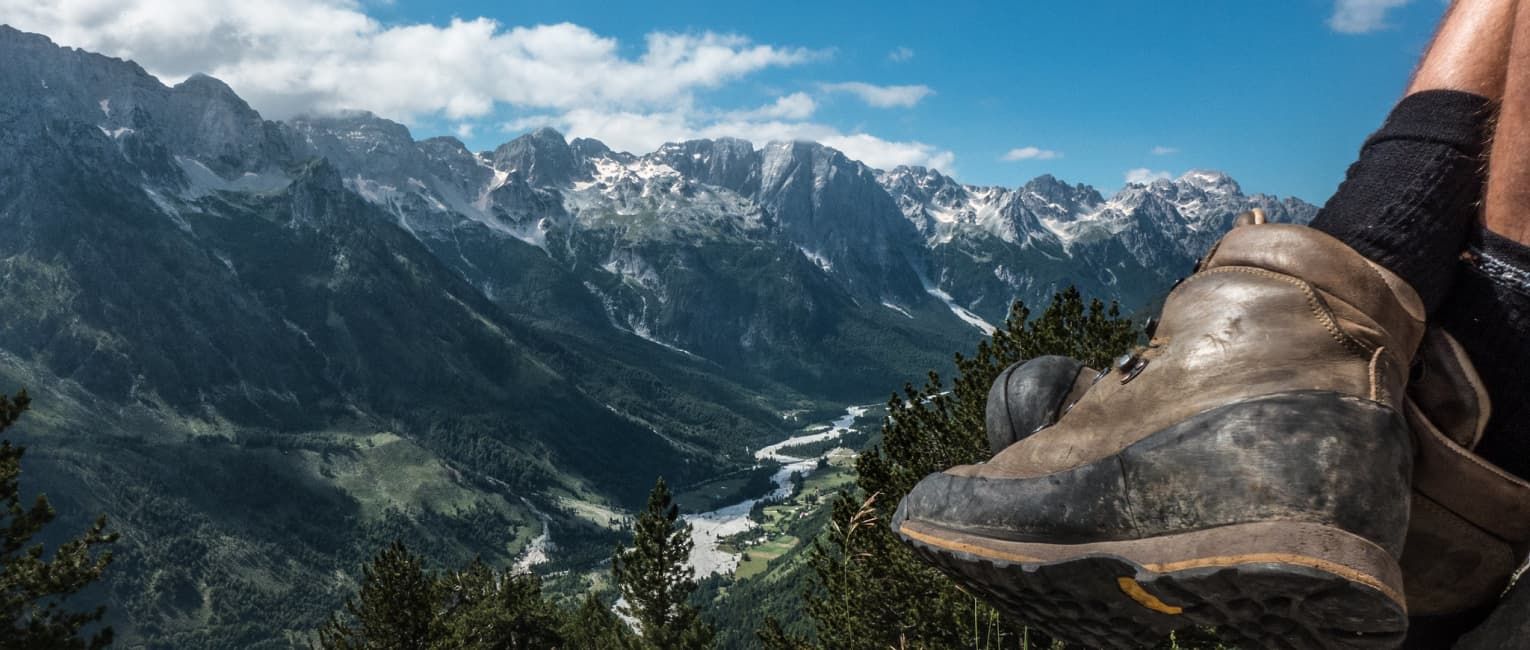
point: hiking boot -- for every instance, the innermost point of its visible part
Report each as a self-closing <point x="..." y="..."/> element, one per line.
<point x="1470" y="524"/>
<point x="1469" y="527"/>
<point x="1249" y="469"/>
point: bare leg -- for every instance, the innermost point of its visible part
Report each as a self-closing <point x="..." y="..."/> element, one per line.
<point x="1506" y="209"/>
<point x="1470" y="51"/>
<point x="1412" y="198"/>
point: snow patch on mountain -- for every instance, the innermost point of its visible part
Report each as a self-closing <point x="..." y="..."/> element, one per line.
<point x="898" y="309"/>
<point x="820" y="260"/>
<point x="635" y="269"/>
<point x="962" y="312"/>
<point x="116" y="133"/>
<point x="202" y="181"/>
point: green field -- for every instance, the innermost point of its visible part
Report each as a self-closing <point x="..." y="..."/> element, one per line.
<point x="760" y="556"/>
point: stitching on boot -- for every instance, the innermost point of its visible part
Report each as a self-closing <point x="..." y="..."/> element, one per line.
<point x="1320" y="311"/>
<point x="1503" y="477"/>
<point x="1376" y="271"/>
<point x="1379" y="392"/>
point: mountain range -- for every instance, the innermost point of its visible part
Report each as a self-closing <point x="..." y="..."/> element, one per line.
<point x="263" y="348"/>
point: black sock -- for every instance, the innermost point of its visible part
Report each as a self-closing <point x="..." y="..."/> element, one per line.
<point x="1488" y="311"/>
<point x="1411" y="198"/>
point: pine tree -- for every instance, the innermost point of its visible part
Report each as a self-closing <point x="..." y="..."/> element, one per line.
<point x="656" y="580"/>
<point x="868" y="590"/>
<point x="34" y="589"/>
<point x="482" y="609"/>
<point x="395" y="609"/>
<point x="594" y="627"/>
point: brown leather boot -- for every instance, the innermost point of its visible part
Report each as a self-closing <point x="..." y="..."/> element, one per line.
<point x="1470" y="524"/>
<point x="1249" y="470"/>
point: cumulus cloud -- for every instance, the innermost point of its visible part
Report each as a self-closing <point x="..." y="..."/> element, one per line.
<point x="1162" y="150"/>
<point x="881" y="96"/>
<point x="1361" y="16"/>
<point x="645" y="131"/>
<point x="884" y="154"/>
<point x="796" y="106"/>
<point x="1143" y="175"/>
<point x="291" y="56"/>
<point x="1031" y="153"/>
<point x="900" y="54"/>
<point x="288" y="57"/>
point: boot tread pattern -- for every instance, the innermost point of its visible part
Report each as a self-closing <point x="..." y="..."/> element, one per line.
<point x="1103" y="601"/>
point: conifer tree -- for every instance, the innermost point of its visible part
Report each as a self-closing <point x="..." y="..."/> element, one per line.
<point x="656" y="580"/>
<point x="395" y="609"/>
<point x="482" y="609"/>
<point x="33" y="588"/>
<point x="594" y="627"/>
<point x="868" y="590"/>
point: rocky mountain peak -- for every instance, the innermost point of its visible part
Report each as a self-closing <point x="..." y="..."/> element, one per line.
<point x="586" y="148"/>
<point x="542" y="157"/>
<point x="724" y="162"/>
<point x="211" y="88"/>
<point x="1210" y="181"/>
<point x="356" y="123"/>
<point x="208" y="121"/>
<point x="1051" y="198"/>
<point x="445" y="144"/>
<point x="357" y="142"/>
<point x="1049" y="186"/>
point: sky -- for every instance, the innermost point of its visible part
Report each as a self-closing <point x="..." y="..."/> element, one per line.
<point x="1279" y="94"/>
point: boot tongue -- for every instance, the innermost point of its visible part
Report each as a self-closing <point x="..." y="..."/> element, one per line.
<point x="1448" y="391"/>
<point x="1332" y="267"/>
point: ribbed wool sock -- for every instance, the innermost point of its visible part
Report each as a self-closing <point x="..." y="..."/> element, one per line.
<point x="1410" y="200"/>
<point x="1488" y="311"/>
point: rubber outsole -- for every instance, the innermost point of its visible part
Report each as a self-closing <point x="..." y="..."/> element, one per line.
<point x="1112" y="600"/>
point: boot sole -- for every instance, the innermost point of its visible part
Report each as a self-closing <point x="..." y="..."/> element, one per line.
<point x="1275" y="584"/>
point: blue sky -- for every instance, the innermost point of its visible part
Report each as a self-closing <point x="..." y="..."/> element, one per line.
<point x="1278" y="94"/>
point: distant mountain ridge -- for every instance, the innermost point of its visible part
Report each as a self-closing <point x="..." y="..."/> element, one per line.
<point x="275" y="345"/>
<point x="839" y="213"/>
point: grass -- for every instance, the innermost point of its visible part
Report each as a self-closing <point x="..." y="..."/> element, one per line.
<point x="595" y="513"/>
<point x="760" y="556"/>
<point x="390" y="471"/>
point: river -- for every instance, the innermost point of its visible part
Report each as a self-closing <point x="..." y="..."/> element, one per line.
<point x="710" y="528"/>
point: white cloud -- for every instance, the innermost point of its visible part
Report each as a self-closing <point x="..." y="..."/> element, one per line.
<point x="292" y="56"/>
<point x="645" y="131"/>
<point x="1361" y="16"/>
<point x="1162" y="150"/>
<point x="1143" y="175"/>
<point x="1031" y="153"/>
<point x="900" y="54"/>
<point x="883" y="154"/>
<point x="295" y="56"/>
<point x="796" y="106"/>
<point x="881" y="96"/>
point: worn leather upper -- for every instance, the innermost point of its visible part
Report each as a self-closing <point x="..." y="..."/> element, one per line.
<point x="1470" y="522"/>
<point x="1274" y="308"/>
